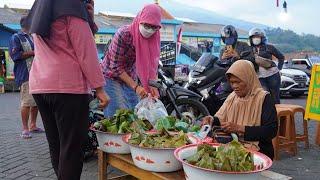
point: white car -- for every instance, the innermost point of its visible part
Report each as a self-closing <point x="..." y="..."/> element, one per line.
<point x="294" y="82"/>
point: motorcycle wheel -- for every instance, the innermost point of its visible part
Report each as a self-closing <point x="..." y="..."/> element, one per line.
<point x="191" y="109"/>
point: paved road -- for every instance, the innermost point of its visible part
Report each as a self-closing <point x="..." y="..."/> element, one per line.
<point x="29" y="159"/>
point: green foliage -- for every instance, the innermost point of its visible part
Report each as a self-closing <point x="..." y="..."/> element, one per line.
<point x="124" y="121"/>
<point x="232" y="157"/>
<point x="288" y="41"/>
<point x="159" y="140"/>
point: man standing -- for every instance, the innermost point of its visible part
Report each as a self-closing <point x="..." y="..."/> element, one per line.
<point x="21" y="51"/>
<point x="234" y="49"/>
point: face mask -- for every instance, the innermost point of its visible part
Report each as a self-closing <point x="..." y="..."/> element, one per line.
<point x="146" y="33"/>
<point x="230" y="41"/>
<point x="256" y="41"/>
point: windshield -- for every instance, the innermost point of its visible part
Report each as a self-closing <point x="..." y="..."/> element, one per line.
<point x="206" y="60"/>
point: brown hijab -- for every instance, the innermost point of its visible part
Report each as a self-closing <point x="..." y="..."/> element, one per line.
<point x="246" y="110"/>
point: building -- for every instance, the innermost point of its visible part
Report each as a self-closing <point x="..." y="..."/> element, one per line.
<point x="174" y="32"/>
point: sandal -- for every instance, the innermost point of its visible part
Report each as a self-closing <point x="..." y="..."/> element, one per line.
<point x="36" y="130"/>
<point x="25" y="134"/>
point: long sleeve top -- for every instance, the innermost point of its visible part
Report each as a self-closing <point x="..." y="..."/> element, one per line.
<point x="244" y="51"/>
<point x="68" y="61"/>
<point x="267" y="51"/>
<point x="121" y="56"/>
<point x="266" y="131"/>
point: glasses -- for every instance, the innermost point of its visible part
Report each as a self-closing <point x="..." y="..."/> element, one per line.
<point x="150" y="26"/>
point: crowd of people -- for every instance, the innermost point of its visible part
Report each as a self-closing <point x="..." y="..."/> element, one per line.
<point x="56" y="67"/>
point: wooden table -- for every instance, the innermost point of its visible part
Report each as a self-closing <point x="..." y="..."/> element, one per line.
<point x="125" y="164"/>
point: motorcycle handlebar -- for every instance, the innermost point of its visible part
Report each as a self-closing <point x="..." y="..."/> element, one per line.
<point x="155" y="83"/>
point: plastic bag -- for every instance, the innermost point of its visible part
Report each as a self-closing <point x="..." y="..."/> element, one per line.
<point x="151" y="109"/>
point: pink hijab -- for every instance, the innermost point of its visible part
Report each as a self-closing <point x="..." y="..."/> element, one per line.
<point x="147" y="50"/>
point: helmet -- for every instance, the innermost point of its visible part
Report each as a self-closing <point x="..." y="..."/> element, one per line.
<point x="229" y="35"/>
<point x="257" y="32"/>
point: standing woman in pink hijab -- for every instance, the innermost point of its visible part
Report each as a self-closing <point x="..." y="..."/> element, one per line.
<point x="133" y="57"/>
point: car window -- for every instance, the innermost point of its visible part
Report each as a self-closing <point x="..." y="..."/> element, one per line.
<point x="299" y="62"/>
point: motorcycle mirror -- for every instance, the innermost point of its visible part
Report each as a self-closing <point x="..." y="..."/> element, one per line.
<point x="160" y="63"/>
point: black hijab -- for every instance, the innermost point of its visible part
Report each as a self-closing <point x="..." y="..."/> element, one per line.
<point x="44" y="12"/>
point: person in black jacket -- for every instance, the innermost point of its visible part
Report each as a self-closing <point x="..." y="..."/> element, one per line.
<point x="249" y="110"/>
<point x="234" y="49"/>
<point x="269" y="75"/>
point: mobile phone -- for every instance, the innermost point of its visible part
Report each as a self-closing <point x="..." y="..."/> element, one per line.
<point x="229" y="48"/>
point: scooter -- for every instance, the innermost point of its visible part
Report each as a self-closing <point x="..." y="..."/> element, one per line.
<point x="207" y="78"/>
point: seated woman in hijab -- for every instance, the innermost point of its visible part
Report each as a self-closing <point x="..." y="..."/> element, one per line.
<point x="249" y="111"/>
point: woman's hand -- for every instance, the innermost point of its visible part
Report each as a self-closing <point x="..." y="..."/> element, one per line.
<point x="154" y="92"/>
<point x="207" y="120"/>
<point x="232" y="127"/>
<point x="102" y="97"/>
<point x="90" y="8"/>
<point x="141" y="92"/>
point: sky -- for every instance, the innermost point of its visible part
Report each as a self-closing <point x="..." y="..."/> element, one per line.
<point x="300" y="18"/>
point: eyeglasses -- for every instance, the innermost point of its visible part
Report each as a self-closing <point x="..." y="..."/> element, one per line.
<point x="150" y="26"/>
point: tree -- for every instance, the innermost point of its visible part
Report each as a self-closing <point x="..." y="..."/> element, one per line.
<point x="288" y="41"/>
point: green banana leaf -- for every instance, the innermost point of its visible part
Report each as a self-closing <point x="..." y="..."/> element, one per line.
<point x="232" y="157"/>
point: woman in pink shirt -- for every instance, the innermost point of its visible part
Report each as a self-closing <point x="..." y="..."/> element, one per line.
<point x="64" y="71"/>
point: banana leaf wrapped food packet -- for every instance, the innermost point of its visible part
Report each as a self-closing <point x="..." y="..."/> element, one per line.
<point x="171" y="123"/>
<point x="159" y="140"/>
<point x="231" y="157"/>
<point x="124" y="121"/>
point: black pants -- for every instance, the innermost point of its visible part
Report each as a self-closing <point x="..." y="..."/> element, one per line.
<point x="65" y="119"/>
<point x="272" y="84"/>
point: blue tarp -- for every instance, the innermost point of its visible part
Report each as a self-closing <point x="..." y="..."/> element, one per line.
<point x="16" y="27"/>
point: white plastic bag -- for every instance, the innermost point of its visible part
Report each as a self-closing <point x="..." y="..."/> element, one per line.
<point x="151" y="109"/>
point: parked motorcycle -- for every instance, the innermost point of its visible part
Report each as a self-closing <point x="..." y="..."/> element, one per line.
<point x="179" y="101"/>
<point x="207" y="79"/>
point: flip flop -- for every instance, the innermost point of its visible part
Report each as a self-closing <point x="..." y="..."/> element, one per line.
<point x="37" y="130"/>
<point x="25" y="134"/>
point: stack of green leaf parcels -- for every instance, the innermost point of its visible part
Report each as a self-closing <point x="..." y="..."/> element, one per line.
<point x="231" y="157"/>
<point x="171" y="123"/>
<point x="124" y="121"/>
<point x="159" y="140"/>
